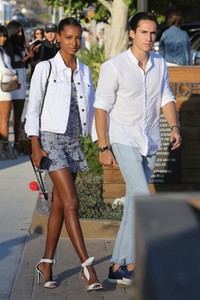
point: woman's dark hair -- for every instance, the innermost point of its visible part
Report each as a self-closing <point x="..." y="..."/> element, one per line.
<point x="18" y="43"/>
<point x="3" y="31"/>
<point x="134" y="22"/>
<point x="68" y="21"/>
<point x="38" y="29"/>
<point x="175" y="18"/>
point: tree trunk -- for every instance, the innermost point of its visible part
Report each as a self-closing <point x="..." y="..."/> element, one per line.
<point x="116" y="33"/>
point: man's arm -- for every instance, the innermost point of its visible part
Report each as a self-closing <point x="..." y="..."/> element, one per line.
<point x="170" y="113"/>
<point x="106" y="157"/>
<point x="101" y="126"/>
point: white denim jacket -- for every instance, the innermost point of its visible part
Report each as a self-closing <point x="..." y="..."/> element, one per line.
<point x="56" y="108"/>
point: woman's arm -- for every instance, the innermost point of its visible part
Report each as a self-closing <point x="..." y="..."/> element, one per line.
<point x="6" y="69"/>
<point x="36" y="94"/>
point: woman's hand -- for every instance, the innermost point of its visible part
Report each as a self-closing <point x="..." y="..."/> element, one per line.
<point x="29" y="54"/>
<point x="37" y="152"/>
<point x="37" y="155"/>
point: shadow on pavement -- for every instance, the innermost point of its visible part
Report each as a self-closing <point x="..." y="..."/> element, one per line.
<point x="9" y="163"/>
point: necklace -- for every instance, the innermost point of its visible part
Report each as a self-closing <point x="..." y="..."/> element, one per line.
<point x="71" y="65"/>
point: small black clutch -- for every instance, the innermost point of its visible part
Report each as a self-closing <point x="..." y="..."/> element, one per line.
<point x="44" y="164"/>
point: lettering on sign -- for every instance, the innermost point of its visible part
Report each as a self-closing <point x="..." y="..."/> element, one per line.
<point x="168" y="163"/>
<point x="185" y="88"/>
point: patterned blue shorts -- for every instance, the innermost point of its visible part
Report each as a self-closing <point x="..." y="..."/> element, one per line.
<point x="63" y="152"/>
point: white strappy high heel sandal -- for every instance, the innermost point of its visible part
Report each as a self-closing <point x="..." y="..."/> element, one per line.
<point x="93" y="286"/>
<point x="51" y="284"/>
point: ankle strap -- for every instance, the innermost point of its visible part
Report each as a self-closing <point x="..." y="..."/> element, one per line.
<point x="48" y="261"/>
<point x="84" y="265"/>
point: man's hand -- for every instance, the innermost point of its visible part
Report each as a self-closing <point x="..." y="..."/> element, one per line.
<point x="175" y="139"/>
<point x="107" y="159"/>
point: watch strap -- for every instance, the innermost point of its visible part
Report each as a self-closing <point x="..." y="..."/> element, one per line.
<point x="102" y="149"/>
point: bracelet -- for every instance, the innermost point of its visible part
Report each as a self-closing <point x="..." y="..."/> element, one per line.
<point x="175" y="126"/>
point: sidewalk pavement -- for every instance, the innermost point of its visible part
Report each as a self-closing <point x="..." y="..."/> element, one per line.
<point x="66" y="272"/>
<point x="17" y="204"/>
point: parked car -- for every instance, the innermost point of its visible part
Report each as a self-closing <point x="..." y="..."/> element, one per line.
<point x="195" y="50"/>
<point x="192" y="29"/>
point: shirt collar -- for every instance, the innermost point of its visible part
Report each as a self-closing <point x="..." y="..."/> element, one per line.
<point x="135" y="60"/>
<point x="132" y="56"/>
<point x="61" y="66"/>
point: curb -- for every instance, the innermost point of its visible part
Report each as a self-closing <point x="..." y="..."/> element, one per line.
<point x="103" y="229"/>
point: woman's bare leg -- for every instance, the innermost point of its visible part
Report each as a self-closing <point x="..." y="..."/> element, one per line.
<point x="68" y="200"/>
<point x="54" y="228"/>
<point x="18" y="107"/>
<point x="5" y="107"/>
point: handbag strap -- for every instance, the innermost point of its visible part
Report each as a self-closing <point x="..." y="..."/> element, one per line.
<point x="45" y="91"/>
<point x="38" y="174"/>
<point x="2" y="56"/>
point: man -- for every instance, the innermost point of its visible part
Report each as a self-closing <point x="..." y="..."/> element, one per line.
<point x="49" y="47"/>
<point x="174" y="43"/>
<point x="132" y="88"/>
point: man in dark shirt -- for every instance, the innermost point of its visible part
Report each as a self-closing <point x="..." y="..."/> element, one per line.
<point x="49" y="47"/>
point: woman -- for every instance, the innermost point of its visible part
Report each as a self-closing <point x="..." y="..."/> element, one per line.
<point x="38" y="37"/>
<point x="6" y="73"/>
<point x="67" y="112"/>
<point x="19" y="60"/>
<point x="174" y="44"/>
<point x="38" y="34"/>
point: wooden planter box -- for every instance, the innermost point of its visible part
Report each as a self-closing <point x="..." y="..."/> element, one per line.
<point x="92" y="228"/>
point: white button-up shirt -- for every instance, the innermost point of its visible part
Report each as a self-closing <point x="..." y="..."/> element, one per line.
<point x="56" y="108"/>
<point x="133" y="98"/>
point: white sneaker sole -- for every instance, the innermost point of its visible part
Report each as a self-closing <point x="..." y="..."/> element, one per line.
<point x="120" y="281"/>
<point x="127" y="281"/>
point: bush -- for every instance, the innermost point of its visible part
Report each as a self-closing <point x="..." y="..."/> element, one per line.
<point x="92" y="206"/>
<point x="89" y="187"/>
<point x="91" y="152"/>
<point x="92" y="58"/>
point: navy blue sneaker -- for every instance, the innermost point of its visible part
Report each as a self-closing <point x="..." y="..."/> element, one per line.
<point x="117" y="276"/>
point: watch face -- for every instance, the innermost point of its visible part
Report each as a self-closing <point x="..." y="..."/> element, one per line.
<point x="102" y="149"/>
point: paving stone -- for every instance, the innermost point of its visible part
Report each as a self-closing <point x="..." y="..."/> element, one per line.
<point x="66" y="272"/>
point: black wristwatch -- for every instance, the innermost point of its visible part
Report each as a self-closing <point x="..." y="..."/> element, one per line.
<point x="102" y="149"/>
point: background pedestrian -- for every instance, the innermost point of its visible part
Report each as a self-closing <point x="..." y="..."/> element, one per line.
<point x="174" y="44"/>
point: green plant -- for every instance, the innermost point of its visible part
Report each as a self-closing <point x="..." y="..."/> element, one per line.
<point x="89" y="184"/>
<point x="93" y="58"/>
<point x="92" y="206"/>
<point x="91" y="152"/>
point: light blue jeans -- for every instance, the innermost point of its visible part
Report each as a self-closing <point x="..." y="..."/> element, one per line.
<point x="136" y="170"/>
